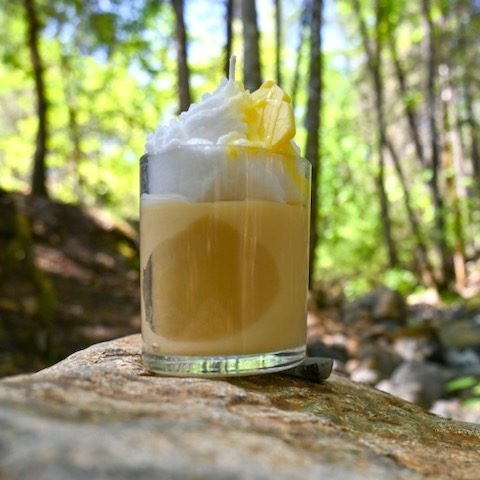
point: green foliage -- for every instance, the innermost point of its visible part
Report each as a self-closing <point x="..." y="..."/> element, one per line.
<point x="110" y="71"/>
<point x="461" y="383"/>
<point x="472" y="402"/>
<point x="100" y="112"/>
<point x="468" y="388"/>
<point x="402" y="280"/>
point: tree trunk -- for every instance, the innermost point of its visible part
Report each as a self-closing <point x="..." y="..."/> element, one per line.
<point x="228" y="35"/>
<point x="252" y="72"/>
<point x="374" y="59"/>
<point x="409" y="108"/>
<point x="301" y="41"/>
<point x="74" y="129"/>
<point x="382" y="135"/>
<point x="185" y="98"/>
<point x="455" y="181"/>
<point x="466" y="82"/>
<point x="426" y="270"/>
<point x="314" y="104"/>
<point x="278" y="41"/>
<point x="385" y="211"/>
<point x="439" y="234"/>
<point x="473" y="128"/>
<point x="39" y="175"/>
<point x="425" y="267"/>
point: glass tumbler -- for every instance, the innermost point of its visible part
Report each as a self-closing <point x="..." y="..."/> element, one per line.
<point x="224" y="234"/>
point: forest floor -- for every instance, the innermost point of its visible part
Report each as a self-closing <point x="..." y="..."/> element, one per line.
<point x="69" y="278"/>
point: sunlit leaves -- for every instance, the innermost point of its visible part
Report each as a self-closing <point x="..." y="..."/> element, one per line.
<point x="102" y="102"/>
<point x="111" y="79"/>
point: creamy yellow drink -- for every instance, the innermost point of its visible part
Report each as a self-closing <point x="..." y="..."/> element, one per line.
<point x="225" y="278"/>
<point x="224" y="231"/>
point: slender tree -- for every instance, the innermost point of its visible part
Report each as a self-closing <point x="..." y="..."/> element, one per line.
<point x="377" y="74"/>
<point x="74" y="129"/>
<point x="312" y="121"/>
<point x="182" y="57"/>
<point x="425" y="266"/>
<point x="374" y="62"/>
<point x="228" y="35"/>
<point x="278" y="40"/>
<point x="439" y="234"/>
<point x="450" y="158"/>
<point x="433" y="164"/>
<point x="466" y="80"/>
<point x="252" y="72"/>
<point x="452" y="149"/>
<point x="473" y="125"/>
<point x="409" y="108"/>
<point x="39" y="176"/>
<point x="303" y="28"/>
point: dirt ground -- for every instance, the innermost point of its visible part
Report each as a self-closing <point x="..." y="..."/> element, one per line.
<point x="68" y="278"/>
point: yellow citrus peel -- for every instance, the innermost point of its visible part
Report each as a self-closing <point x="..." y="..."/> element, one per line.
<point x="270" y="118"/>
<point x="271" y="124"/>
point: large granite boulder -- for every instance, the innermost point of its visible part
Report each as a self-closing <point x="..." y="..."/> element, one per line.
<point x="99" y="415"/>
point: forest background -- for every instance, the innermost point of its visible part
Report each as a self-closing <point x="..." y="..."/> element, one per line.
<point x="386" y="98"/>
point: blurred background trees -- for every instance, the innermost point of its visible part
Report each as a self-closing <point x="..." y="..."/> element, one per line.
<point x="386" y="97"/>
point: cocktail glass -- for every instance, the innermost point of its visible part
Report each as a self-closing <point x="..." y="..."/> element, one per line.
<point x="224" y="233"/>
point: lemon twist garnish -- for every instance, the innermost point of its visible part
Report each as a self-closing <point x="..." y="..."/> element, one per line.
<point x="271" y="123"/>
<point x="270" y="118"/>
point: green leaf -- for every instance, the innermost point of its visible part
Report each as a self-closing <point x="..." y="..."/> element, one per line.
<point x="461" y="383"/>
<point x="471" y="402"/>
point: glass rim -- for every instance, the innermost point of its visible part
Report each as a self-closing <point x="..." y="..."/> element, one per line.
<point x="224" y="146"/>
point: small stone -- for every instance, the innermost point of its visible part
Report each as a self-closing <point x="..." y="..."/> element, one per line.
<point x="366" y="375"/>
<point x="422" y="383"/>
<point x="313" y="369"/>
<point x="414" y="348"/>
<point x="453" y="408"/>
<point x="389" y="305"/>
<point x="320" y="349"/>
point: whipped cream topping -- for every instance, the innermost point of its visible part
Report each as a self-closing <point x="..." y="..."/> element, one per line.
<point x="230" y="116"/>
<point x="218" y="119"/>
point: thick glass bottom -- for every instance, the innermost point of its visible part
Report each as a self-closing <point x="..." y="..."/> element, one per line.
<point x="222" y="366"/>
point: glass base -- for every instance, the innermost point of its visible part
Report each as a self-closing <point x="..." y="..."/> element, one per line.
<point x="223" y="366"/>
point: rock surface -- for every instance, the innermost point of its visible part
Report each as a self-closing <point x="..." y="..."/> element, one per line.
<point x="99" y="414"/>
